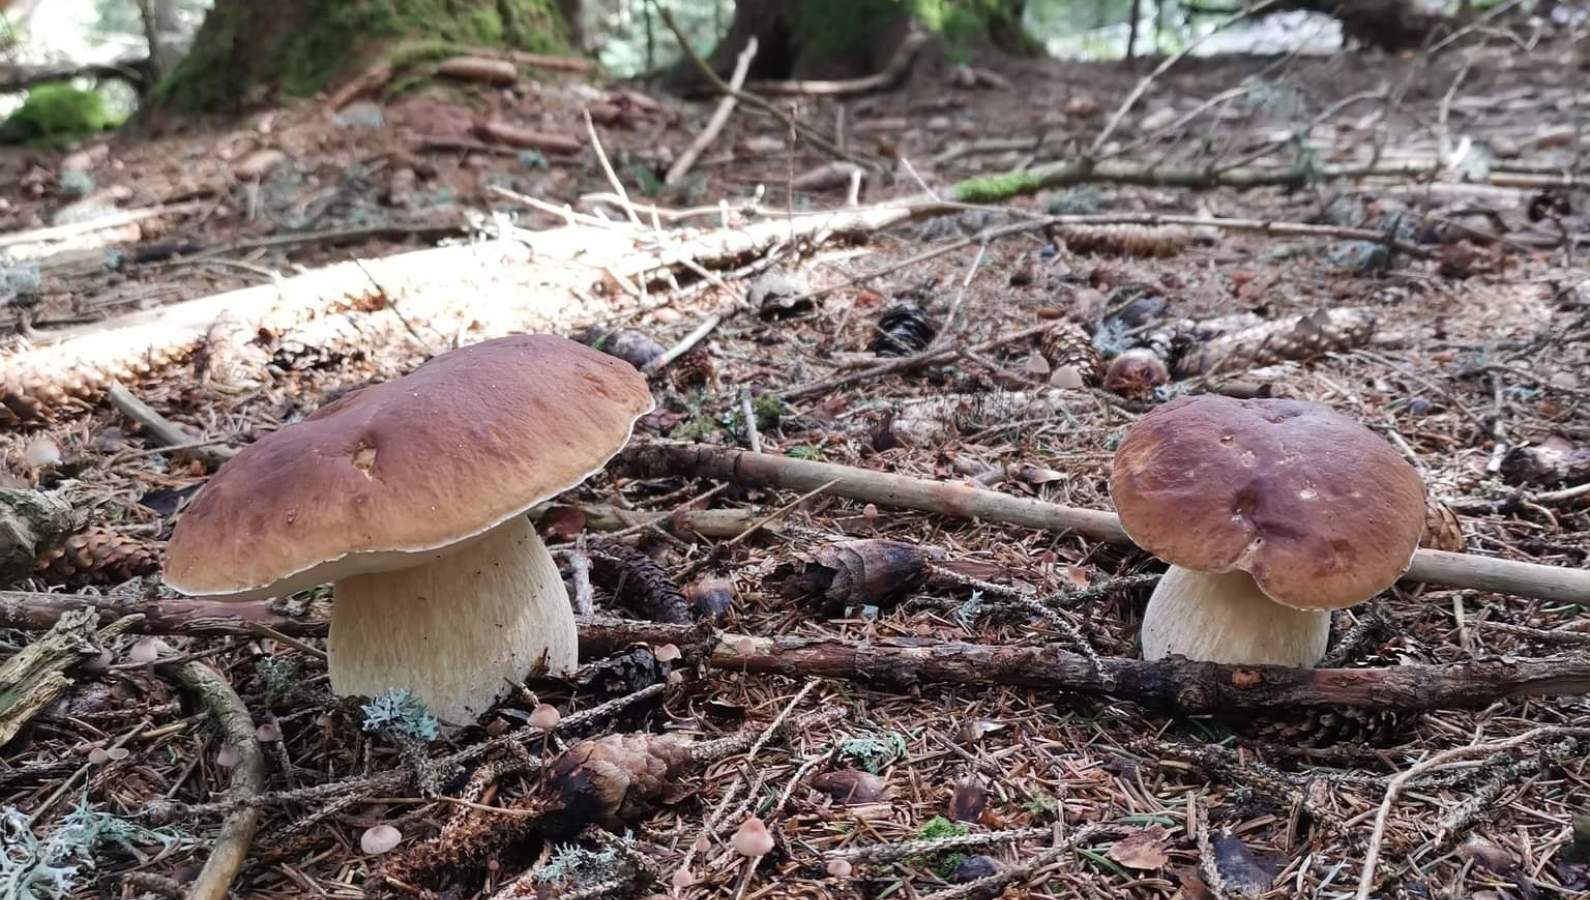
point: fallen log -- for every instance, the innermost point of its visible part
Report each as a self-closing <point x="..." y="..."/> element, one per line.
<point x="1176" y="684"/>
<point x="538" y="280"/>
<point x="656" y="460"/>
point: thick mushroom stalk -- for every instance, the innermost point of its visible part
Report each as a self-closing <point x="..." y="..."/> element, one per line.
<point x="1226" y="618"/>
<point x="458" y="630"/>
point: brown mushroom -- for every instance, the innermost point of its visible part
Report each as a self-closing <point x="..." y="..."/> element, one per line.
<point x="1271" y="513"/>
<point x="410" y="497"/>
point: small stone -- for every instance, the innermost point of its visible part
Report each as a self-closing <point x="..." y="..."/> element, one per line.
<point x="974" y="867"/>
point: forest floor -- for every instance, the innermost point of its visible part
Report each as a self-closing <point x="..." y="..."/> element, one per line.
<point x="1471" y="357"/>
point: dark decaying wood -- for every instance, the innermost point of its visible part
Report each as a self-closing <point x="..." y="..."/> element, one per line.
<point x="1176" y="684"/>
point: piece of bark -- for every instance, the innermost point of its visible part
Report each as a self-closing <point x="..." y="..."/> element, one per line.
<point x="231" y="846"/>
<point x="34" y="677"/>
<point x="479" y="68"/>
<point x="501" y="132"/>
<point x="1176" y="683"/>
<point x="427" y="293"/>
<point x="32" y="524"/>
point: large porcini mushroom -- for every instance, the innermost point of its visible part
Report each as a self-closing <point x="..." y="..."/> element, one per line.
<point x="1271" y="513"/>
<point x="410" y="498"/>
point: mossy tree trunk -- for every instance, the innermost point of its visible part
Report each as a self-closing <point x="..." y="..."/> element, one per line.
<point x="249" y="49"/>
<point x="854" y="38"/>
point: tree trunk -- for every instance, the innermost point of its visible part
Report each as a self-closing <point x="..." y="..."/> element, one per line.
<point x="247" y="49"/>
<point x="1390" y="25"/>
<point x="830" y="39"/>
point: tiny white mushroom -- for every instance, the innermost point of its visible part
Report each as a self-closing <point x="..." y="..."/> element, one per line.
<point x="379" y="839"/>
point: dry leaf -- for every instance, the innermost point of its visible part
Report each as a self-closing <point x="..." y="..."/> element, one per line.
<point x="968" y="801"/>
<point x="1144" y="850"/>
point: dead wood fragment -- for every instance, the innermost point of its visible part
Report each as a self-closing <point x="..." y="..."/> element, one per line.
<point x="1300" y="338"/>
<point x="1176" y="684"/>
<point x="544" y="61"/>
<point x="231" y="847"/>
<point x="34" y="677"/>
<point x="899" y="64"/>
<point x="529" y="139"/>
<point x="719" y="118"/>
<point x="1179" y="684"/>
<point x="32" y="524"/>
<point x="425" y="292"/>
<point x="364" y="83"/>
<point x="867" y="572"/>
<point x="479" y="68"/>
<point x="658" y="460"/>
<point x="163" y="431"/>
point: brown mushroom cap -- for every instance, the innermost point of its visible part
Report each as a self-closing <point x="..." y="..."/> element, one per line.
<point x="388" y="475"/>
<point x="1318" y="509"/>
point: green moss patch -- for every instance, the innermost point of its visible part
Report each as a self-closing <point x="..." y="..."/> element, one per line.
<point x="57" y="111"/>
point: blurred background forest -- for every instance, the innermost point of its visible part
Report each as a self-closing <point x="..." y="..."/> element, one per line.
<point x="93" y="38"/>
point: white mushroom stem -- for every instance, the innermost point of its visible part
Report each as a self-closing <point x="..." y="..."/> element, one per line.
<point x="457" y="631"/>
<point x="1225" y="618"/>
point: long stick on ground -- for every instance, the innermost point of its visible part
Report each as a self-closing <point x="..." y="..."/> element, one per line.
<point x="248" y="777"/>
<point x="720" y="117"/>
<point x="1178" y="684"/>
<point x="1454" y="570"/>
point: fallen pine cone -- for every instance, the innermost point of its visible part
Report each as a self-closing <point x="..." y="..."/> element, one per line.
<point x="634" y="347"/>
<point x="1134" y="374"/>
<point x="1442" y="531"/>
<point x="710" y="597"/>
<point x="638" y="582"/>
<point x="618" y="778"/>
<point x="1071" y="356"/>
<point x="98" y="555"/>
<point x="1142" y="241"/>
<point x="870" y="572"/>
<point x="695" y="369"/>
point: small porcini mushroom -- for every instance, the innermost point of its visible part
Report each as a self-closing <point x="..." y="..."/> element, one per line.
<point x="410" y="498"/>
<point x="1271" y="513"/>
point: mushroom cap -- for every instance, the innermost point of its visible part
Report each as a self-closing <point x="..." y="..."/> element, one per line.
<point x="1318" y="509"/>
<point x="393" y="475"/>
